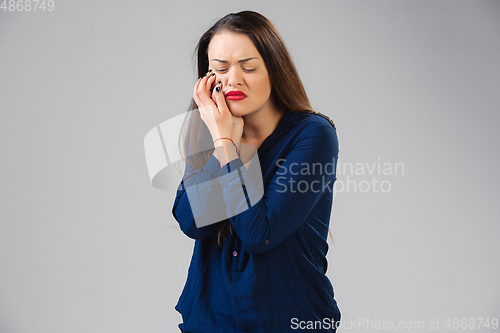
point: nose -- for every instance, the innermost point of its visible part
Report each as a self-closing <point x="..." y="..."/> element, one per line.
<point x="234" y="77"/>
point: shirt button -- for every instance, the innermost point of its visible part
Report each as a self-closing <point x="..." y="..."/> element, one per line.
<point x="266" y="241"/>
<point x="235" y="253"/>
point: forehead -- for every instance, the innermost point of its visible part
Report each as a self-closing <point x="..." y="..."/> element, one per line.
<point x="231" y="46"/>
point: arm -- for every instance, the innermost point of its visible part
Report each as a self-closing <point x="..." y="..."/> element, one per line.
<point x="292" y="193"/>
<point x="198" y="205"/>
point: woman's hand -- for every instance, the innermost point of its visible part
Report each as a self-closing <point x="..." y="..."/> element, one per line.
<point x="214" y="111"/>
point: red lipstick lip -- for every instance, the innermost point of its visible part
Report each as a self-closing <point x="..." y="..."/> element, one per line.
<point x="235" y="93"/>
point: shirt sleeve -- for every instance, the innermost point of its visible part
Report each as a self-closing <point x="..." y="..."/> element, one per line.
<point x="309" y="169"/>
<point x="198" y="205"/>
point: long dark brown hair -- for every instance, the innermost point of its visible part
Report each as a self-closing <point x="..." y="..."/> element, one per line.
<point x="287" y="91"/>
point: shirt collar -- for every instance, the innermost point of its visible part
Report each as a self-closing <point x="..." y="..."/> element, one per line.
<point x="286" y="123"/>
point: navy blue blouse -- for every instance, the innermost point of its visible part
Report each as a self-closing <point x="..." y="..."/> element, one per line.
<point x="269" y="275"/>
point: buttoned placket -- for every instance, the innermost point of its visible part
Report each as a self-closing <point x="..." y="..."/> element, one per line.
<point x="280" y="131"/>
<point x="235" y="246"/>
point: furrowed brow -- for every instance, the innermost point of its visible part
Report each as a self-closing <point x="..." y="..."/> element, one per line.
<point x="240" y="61"/>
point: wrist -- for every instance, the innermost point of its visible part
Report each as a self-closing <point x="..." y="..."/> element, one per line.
<point x="223" y="138"/>
<point x="222" y="141"/>
<point x="225" y="152"/>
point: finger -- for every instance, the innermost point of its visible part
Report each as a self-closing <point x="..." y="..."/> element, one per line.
<point x="195" y="93"/>
<point x="211" y="79"/>
<point x="214" y="95"/>
<point x="205" y="78"/>
<point x="203" y="92"/>
<point x="213" y="90"/>
<point x="220" y="99"/>
<point x="209" y="83"/>
<point x="196" y="85"/>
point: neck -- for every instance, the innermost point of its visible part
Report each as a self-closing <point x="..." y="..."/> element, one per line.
<point x="258" y="126"/>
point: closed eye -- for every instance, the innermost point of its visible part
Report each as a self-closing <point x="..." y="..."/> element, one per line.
<point x="246" y="70"/>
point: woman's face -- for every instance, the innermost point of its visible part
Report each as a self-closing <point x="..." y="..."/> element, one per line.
<point x="237" y="63"/>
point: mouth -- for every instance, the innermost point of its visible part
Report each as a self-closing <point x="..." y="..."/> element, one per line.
<point x="235" y="95"/>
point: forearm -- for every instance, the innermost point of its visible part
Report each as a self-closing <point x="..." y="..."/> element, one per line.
<point x="197" y="227"/>
<point x="199" y="202"/>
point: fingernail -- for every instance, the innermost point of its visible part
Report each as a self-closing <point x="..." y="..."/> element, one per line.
<point x="218" y="89"/>
<point x="213" y="74"/>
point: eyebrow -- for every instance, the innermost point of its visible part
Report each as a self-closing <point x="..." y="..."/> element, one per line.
<point x="240" y="61"/>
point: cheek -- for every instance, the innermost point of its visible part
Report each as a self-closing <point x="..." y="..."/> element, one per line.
<point x="263" y="87"/>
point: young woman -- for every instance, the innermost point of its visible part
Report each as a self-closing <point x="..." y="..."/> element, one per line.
<point x="261" y="266"/>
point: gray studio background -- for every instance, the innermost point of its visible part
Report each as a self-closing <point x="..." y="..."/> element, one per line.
<point x="88" y="245"/>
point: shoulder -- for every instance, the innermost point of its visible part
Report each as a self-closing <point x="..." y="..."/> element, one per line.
<point x="316" y="135"/>
<point x="314" y="130"/>
<point x="314" y="123"/>
<point x="317" y="118"/>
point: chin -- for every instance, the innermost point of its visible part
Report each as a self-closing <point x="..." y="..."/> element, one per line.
<point x="238" y="111"/>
